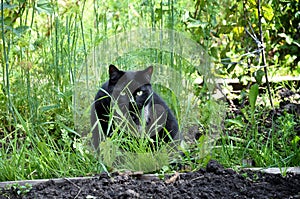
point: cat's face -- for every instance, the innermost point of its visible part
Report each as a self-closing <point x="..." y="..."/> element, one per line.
<point x="131" y="89"/>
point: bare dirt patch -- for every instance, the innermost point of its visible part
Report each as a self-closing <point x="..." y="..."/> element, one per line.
<point x="212" y="182"/>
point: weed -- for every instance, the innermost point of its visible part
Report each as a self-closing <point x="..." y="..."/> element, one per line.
<point x="21" y="190"/>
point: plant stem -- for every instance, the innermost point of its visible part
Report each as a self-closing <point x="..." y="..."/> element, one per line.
<point x="6" y="82"/>
<point x="263" y="50"/>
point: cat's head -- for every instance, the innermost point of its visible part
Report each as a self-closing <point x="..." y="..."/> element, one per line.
<point x="129" y="87"/>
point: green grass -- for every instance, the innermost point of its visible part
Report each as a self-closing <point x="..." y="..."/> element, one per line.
<point x="43" y="53"/>
<point x="275" y="146"/>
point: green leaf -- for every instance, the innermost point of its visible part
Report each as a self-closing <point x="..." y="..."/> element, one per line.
<point x="258" y="76"/>
<point x="288" y="38"/>
<point x="296" y="140"/>
<point x="253" y="2"/>
<point x="44" y="6"/>
<point x="50" y="107"/>
<point x="42" y="146"/>
<point x="20" y="30"/>
<point x="197" y="24"/>
<point x="232" y="67"/>
<point x="253" y="93"/>
<point x="7" y="6"/>
<point x="214" y="52"/>
<point x="236" y="122"/>
<point x="268" y="12"/>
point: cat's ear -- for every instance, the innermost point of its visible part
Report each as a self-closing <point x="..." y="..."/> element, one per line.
<point x="148" y="73"/>
<point x="113" y="69"/>
<point x="114" y="73"/>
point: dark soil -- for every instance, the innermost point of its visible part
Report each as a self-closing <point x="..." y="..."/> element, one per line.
<point x="212" y="182"/>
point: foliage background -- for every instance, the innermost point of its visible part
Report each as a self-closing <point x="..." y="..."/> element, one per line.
<point x="43" y="44"/>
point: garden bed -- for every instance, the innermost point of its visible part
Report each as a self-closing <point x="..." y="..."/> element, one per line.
<point x="212" y="182"/>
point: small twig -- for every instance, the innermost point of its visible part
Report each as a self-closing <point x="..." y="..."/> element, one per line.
<point x="263" y="51"/>
<point x="173" y="178"/>
<point x="196" y="178"/>
<point x="75" y="186"/>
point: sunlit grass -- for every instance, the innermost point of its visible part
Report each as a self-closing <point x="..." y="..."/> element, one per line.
<point x="43" y="51"/>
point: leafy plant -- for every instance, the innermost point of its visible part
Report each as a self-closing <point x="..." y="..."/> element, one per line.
<point x="20" y="189"/>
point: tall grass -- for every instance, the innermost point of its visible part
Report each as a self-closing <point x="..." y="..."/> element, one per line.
<point x="41" y="51"/>
<point x="245" y="144"/>
<point x="44" y="47"/>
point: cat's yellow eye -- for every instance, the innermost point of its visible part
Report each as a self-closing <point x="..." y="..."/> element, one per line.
<point x="139" y="93"/>
<point x="122" y="93"/>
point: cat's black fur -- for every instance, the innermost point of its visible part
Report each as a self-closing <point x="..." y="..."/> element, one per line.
<point x="137" y="97"/>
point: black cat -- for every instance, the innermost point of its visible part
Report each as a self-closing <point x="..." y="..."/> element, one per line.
<point x="133" y="93"/>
